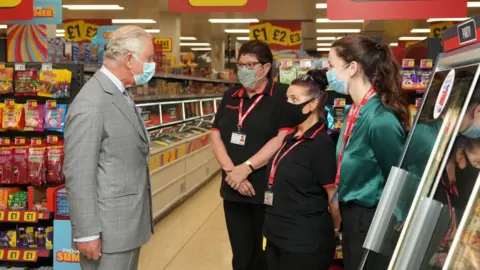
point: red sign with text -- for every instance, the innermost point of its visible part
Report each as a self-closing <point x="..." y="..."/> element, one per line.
<point x="16" y="10"/>
<point x="395" y="9"/>
<point x="217" y="5"/>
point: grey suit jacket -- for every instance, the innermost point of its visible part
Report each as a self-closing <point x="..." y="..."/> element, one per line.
<point x="106" y="168"/>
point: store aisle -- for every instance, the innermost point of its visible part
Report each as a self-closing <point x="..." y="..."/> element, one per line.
<point x="192" y="237"/>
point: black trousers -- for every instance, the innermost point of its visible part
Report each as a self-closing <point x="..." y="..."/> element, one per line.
<point x="245" y="229"/>
<point x="356" y="221"/>
<point x="279" y="259"/>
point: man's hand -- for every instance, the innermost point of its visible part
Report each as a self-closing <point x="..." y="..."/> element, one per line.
<point x="238" y="175"/>
<point x="246" y="189"/>
<point x="91" y="249"/>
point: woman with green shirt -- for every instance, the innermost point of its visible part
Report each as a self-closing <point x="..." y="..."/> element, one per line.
<point x="372" y="138"/>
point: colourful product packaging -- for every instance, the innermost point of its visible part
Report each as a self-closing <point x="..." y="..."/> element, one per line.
<point x="6" y="81"/>
<point x="55" y="116"/>
<point x="20" y="161"/>
<point x="34" y="116"/>
<point x="13" y="115"/>
<point x="26" y="82"/>
<point x="37" y="168"/>
<point x="55" y="156"/>
<point x="6" y="161"/>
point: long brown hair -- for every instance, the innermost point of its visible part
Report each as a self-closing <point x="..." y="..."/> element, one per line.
<point x="379" y="67"/>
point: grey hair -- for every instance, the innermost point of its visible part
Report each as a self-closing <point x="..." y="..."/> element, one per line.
<point x="126" y="39"/>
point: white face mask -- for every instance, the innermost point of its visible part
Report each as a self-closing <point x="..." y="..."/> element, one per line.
<point x="147" y="73"/>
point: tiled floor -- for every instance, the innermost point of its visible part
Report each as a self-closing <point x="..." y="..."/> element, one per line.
<point x="192" y="237"/>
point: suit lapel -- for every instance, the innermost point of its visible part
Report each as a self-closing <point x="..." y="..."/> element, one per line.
<point x="121" y="102"/>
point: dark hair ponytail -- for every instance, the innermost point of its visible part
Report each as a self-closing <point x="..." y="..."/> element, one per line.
<point x="379" y="67"/>
<point x="387" y="82"/>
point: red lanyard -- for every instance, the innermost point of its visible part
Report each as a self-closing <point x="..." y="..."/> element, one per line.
<point x="241" y="115"/>
<point x="352" y="118"/>
<point x="276" y="160"/>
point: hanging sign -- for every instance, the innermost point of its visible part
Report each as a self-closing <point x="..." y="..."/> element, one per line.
<point x="395" y="9"/>
<point x="463" y="34"/>
<point x="217" y="5"/>
<point x="437" y="28"/>
<point x="45" y="12"/>
<point x="164" y="43"/>
<point x="103" y="34"/>
<point x="16" y="10"/>
<point x="80" y="30"/>
<point x="280" y="35"/>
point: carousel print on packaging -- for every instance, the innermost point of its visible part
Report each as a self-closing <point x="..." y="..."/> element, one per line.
<point x="27" y="43"/>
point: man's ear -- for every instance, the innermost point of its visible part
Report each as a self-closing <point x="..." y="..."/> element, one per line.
<point x="128" y="59"/>
<point x="476" y="115"/>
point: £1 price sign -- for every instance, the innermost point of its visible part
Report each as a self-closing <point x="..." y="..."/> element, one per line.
<point x="279" y="35"/>
<point x="73" y="30"/>
<point x="89" y="31"/>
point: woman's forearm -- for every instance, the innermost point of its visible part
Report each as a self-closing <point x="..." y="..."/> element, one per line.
<point x="220" y="151"/>
<point x="262" y="157"/>
<point x="333" y="206"/>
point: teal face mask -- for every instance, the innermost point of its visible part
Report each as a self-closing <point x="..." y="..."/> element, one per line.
<point x="248" y="77"/>
<point x="339" y="86"/>
<point x="147" y="73"/>
<point x="473" y="132"/>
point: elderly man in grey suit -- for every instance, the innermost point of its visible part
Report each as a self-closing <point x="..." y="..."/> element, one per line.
<point x="106" y="158"/>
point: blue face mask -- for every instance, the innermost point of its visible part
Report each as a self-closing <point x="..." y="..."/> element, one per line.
<point x="473" y="132"/>
<point x="147" y="74"/>
<point x="339" y="86"/>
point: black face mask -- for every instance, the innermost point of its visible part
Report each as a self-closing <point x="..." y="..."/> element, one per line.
<point x="295" y="113"/>
<point x="465" y="181"/>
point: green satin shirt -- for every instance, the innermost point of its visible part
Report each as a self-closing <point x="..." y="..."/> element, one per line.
<point x="375" y="146"/>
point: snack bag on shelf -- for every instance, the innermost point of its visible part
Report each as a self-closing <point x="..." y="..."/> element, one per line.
<point x="34" y="116"/>
<point x="41" y="237"/>
<point x="37" y="168"/>
<point x="62" y="85"/>
<point x="8" y="239"/>
<point x="424" y="73"/>
<point x="18" y="201"/>
<point x="26" y="82"/>
<point x="55" y="157"/>
<point x="409" y="77"/>
<point x="47" y="81"/>
<point x="6" y="161"/>
<point x="30" y="237"/>
<point x="287" y="71"/>
<point x="22" y="237"/>
<point x="6" y="81"/>
<point x="13" y="117"/>
<point x="20" y="161"/>
<point x="2" y="106"/>
<point x="55" y="116"/>
<point x="49" y="242"/>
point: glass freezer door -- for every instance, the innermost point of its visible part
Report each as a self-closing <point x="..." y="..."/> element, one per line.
<point x="421" y="169"/>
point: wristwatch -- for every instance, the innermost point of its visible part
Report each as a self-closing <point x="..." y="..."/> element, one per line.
<point x="249" y="164"/>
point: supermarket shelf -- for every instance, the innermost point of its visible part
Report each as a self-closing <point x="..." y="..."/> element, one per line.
<point x="164" y="75"/>
<point x="23" y="255"/>
<point x="23" y="216"/>
<point x="178" y="122"/>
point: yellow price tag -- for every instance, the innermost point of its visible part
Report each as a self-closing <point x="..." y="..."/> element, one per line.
<point x="13" y="216"/>
<point x="89" y="30"/>
<point x="154" y="162"/>
<point x="165" y="43"/>
<point x="295" y="38"/>
<point x="436" y="29"/>
<point x="280" y="35"/>
<point x="340" y="254"/>
<point x="260" y="31"/>
<point x="73" y="30"/>
<point x="2" y="215"/>
<point x="2" y="253"/>
<point x="13" y="255"/>
<point x="30" y="216"/>
<point x="182" y="150"/>
<point x="30" y="256"/>
<point x="2" y="65"/>
<point x="169" y="156"/>
<point x="218" y="3"/>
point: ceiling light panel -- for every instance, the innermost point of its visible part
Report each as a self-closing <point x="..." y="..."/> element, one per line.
<point x="186" y="44"/>
<point x="339" y="30"/>
<point x="139" y="21"/>
<point x="243" y="38"/>
<point x="326" y="38"/>
<point x="420" y="31"/>
<point x="473" y="4"/>
<point x="93" y="7"/>
<point x="188" y="38"/>
<point x="233" y="20"/>
<point x="201" y="49"/>
<point x="324" y="44"/>
<point x="321" y="5"/>
<point x="152" y="31"/>
<point x="325" y="20"/>
<point x="412" y="38"/>
<point x="393" y="44"/>
<point x="3" y="26"/>
<point x="323" y="49"/>
<point x="237" y="31"/>
<point x="447" y="20"/>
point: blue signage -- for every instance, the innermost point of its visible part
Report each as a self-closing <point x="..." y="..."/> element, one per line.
<point x="65" y="257"/>
<point x="103" y="34"/>
<point x="45" y="12"/>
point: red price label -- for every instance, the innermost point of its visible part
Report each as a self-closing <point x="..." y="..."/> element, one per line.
<point x="13" y="216"/>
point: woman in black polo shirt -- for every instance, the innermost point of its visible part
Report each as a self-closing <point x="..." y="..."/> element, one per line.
<point x="248" y="129"/>
<point x="302" y="215"/>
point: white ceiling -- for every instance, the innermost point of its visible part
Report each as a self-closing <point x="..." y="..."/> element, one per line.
<point x="197" y="25"/>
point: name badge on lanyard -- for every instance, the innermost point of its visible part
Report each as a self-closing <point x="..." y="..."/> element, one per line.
<point x="268" y="197"/>
<point x="240" y="138"/>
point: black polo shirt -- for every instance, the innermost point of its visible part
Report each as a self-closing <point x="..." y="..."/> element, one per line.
<point x="261" y="125"/>
<point x="299" y="220"/>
